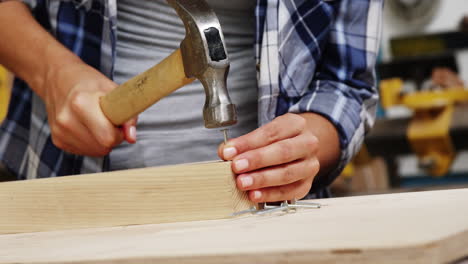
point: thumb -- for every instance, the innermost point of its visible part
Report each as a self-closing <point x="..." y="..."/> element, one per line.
<point x="129" y="130"/>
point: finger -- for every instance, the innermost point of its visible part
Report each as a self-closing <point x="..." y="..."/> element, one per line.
<point x="279" y="175"/>
<point x="87" y="108"/>
<point x="283" y="127"/>
<point x="281" y="152"/>
<point x="296" y="190"/>
<point x="226" y="153"/>
<point x="129" y="130"/>
<point x="132" y="122"/>
<point x="92" y="152"/>
<point x="86" y="144"/>
<point x="75" y="138"/>
<point x="92" y="149"/>
<point x="221" y="150"/>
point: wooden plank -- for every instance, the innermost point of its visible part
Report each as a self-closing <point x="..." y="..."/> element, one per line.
<point x="133" y="197"/>
<point x="427" y="227"/>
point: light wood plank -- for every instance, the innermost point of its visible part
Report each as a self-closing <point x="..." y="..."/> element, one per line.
<point x="133" y="197"/>
<point x="427" y="227"/>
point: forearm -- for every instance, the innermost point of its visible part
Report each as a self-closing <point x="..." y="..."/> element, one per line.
<point x="30" y="52"/>
<point x="328" y="141"/>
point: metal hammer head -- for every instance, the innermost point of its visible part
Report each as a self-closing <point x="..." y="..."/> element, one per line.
<point x="205" y="58"/>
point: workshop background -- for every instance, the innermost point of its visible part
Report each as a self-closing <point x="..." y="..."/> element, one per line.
<point x="420" y="140"/>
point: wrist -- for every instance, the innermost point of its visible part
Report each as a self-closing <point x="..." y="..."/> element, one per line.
<point x="329" y="142"/>
<point x="58" y="59"/>
<point x="31" y="52"/>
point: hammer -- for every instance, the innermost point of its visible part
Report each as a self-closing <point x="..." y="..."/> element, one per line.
<point x="202" y="55"/>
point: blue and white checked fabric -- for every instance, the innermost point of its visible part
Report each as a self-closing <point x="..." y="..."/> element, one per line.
<point x="88" y="29"/>
<point x="313" y="56"/>
<point x="319" y="56"/>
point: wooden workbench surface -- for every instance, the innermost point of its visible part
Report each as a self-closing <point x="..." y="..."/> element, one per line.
<point x="426" y="227"/>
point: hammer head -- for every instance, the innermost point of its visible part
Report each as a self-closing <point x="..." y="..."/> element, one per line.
<point x="205" y="58"/>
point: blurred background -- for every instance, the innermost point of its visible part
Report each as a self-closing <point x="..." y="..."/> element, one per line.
<point x="420" y="140"/>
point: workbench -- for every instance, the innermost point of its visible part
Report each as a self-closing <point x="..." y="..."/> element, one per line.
<point x="424" y="227"/>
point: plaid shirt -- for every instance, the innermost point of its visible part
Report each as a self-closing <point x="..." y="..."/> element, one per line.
<point x="312" y="56"/>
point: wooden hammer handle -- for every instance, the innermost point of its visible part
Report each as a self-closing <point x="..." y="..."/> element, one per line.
<point x="142" y="91"/>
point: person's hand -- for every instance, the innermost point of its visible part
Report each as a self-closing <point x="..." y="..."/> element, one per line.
<point x="276" y="162"/>
<point x="446" y="78"/>
<point x="69" y="87"/>
<point x="77" y="122"/>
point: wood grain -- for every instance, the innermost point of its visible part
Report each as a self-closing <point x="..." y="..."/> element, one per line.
<point x="133" y="197"/>
<point x="427" y="227"/>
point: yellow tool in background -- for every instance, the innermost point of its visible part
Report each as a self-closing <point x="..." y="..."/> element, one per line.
<point x="5" y="89"/>
<point x="429" y="129"/>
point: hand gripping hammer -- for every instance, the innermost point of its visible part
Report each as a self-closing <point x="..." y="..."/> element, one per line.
<point x="202" y="55"/>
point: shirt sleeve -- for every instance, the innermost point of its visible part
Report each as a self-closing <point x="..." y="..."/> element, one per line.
<point x="343" y="89"/>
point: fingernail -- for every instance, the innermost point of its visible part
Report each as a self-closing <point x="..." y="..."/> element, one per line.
<point x="229" y="153"/>
<point x="246" y="181"/>
<point x="257" y="195"/>
<point x="241" y="165"/>
<point x="133" y="132"/>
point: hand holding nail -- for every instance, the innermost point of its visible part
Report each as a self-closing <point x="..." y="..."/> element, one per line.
<point x="276" y="162"/>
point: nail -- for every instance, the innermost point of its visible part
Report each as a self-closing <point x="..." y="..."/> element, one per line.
<point x="241" y="165"/>
<point x="133" y="132"/>
<point x="246" y="181"/>
<point x="257" y="195"/>
<point x="229" y="153"/>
